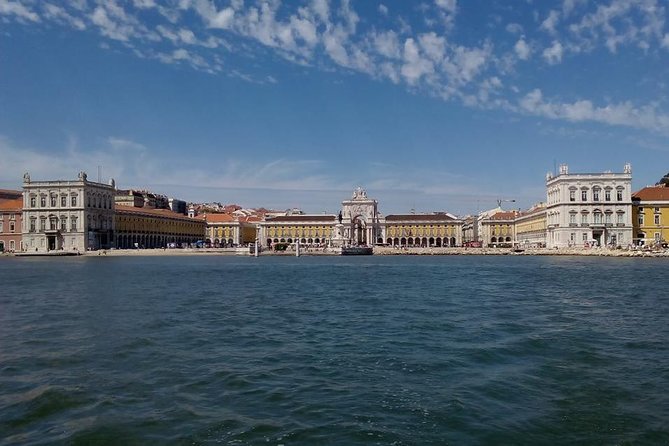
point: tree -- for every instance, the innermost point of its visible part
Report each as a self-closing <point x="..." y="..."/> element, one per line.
<point x="664" y="180"/>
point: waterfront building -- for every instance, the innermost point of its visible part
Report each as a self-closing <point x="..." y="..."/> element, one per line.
<point x="360" y="223"/>
<point x="422" y="230"/>
<point x="11" y="204"/>
<point x="73" y="215"/>
<point x="497" y="230"/>
<point x="228" y="230"/>
<point x="589" y="209"/>
<point x="530" y="227"/>
<point x="650" y="215"/>
<point x="469" y="230"/>
<point x="144" y="227"/>
<point x="307" y="229"/>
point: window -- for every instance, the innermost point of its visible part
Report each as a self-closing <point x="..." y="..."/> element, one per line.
<point x="73" y="223"/>
<point x="73" y="200"/>
<point x="584" y="219"/>
<point x="607" y="195"/>
<point x="33" y="202"/>
<point x="63" y="201"/>
<point x="598" y="218"/>
<point x="640" y="219"/>
<point x="54" y="200"/>
<point x="572" y="218"/>
<point x="607" y="218"/>
<point x="33" y="224"/>
<point x="585" y="236"/>
<point x="572" y="195"/>
<point x="12" y="226"/>
<point x="657" y="219"/>
<point x="657" y="210"/>
<point x="619" y="195"/>
<point x="42" y="224"/>
<point x="584" y="195"/>
<point x="12" y="217"/>
<point x="572" y="236"/>
<point x="53" y="223"/>
<point x="595" y="194"/>
<point x="1" y="228"/>
<point x="63" y="223"/>
<point x="657" y="236"/>
<point x="42" y="201"/>
<point x="619" y="218"/>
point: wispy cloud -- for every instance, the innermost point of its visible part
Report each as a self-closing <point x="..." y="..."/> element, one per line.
<point x="424" y="56"/>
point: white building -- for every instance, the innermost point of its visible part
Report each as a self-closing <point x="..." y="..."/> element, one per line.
<point x="589" y="209"/>
<point x="75" y="215"/>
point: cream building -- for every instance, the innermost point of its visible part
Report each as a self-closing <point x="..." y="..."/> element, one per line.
<point x="360" y="223"/>
<point x="73" y="215"/>
<point x="530" y="227"/>
<point x="589" y="209"/>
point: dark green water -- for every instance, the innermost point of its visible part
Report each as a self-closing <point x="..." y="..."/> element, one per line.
<point x="334" y="351"/>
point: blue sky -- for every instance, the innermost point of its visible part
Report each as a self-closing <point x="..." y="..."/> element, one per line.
<point x="429" y="105"/>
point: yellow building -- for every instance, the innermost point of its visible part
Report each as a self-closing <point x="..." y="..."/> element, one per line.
<point x="530" y="227"/>
<point x="650" y="215"/>
<point x="227" y="230"/>
<point x="308" y="229"/>
<point x="498" y="230"/>
<point x="155" y="228"/>
<point x="422" y="230"/>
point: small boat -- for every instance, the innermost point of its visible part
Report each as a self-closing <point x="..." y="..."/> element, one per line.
<point x="357" y="251"/>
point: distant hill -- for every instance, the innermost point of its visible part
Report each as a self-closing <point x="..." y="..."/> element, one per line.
<point x="664" y="180"/>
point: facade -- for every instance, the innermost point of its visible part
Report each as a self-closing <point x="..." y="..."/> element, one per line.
<point x="498" y="229"/>
<point x="589" y="209"/>
<point x="307" y="229"/>
<point x="359" y="223"/>
<point x="72" y="215"/>
<point x="530" y="227"/>
<point x="11" y="204"/>
<point x="155" y="228"/>
<point x="228" y="230"/>
<point x="650" y="215"/>
<point x="422" y="230"/>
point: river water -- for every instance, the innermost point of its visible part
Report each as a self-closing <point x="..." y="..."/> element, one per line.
<point x="334" y="350"/>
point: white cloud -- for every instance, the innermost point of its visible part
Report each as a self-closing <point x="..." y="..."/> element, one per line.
<point x="522" y="49"/>
<point x="383" y="9"/>
<point x="415" y="65"/>
<point x="447" y="5"/>
<point x="553" y="54"/>
<point x="8" y="7"/>
<point x="387" y="44"/>
<point x="433" y="46"/>
<point x="514" y="28"/>
<point x="550" y="23"/>
<point x="622" y="114"/>
<point x="59" y="14"/>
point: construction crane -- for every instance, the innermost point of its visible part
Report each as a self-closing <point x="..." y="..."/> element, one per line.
<point x="500" y="201"/>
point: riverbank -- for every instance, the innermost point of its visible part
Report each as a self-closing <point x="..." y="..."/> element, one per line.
<point x="378" y="250"/>
<point x="602" y="252"/>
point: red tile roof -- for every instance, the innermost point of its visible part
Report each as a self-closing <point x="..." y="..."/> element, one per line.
<point x="302" y="218"/>
<point x="505" y="215"/>
<point x="166" y="213"/>
<point x="418" y="217"/>
<point x="652" y="193"/>
<point x="219" y="218"/>
<point x="11" y="205"/>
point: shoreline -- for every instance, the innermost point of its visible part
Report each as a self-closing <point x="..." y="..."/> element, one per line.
<point x="378" y="250"/>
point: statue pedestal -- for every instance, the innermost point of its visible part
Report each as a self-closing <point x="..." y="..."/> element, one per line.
<point x="338" y="240"/>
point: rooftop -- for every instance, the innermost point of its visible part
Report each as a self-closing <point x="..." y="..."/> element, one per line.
<point x="652" y="193"/>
